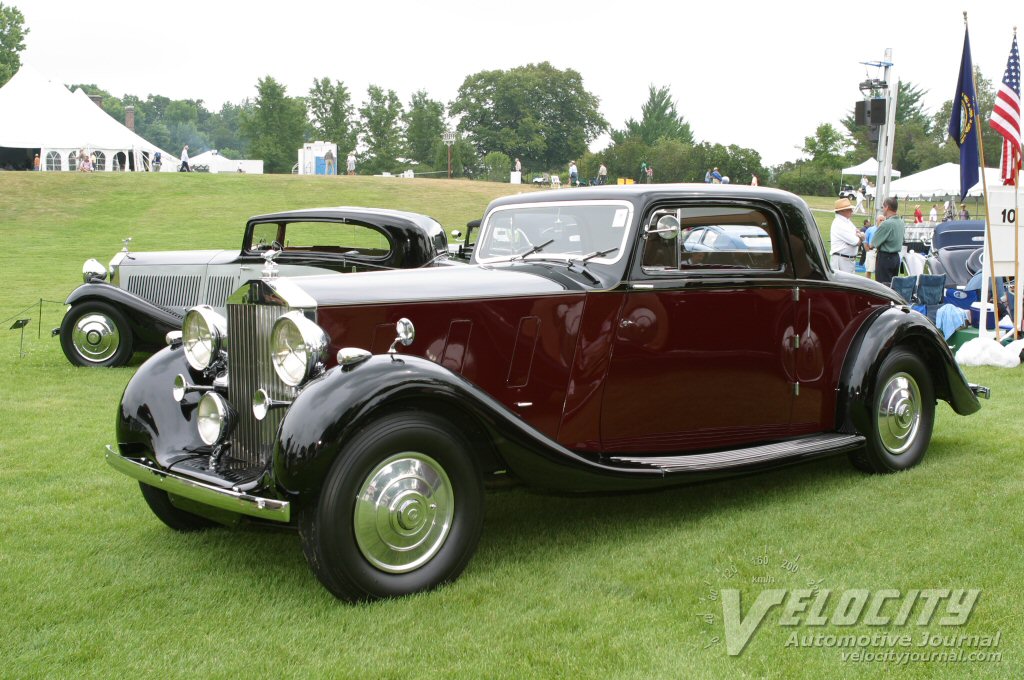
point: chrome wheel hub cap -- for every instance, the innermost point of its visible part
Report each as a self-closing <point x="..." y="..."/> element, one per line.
<point x="403" y="512"/>
<point x="95" y="337"/>
<point x="899" y="413"/>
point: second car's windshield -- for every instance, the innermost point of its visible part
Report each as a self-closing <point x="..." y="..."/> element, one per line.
<point x="567" y="230"/>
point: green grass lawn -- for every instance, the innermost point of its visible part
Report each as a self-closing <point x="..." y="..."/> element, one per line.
<point x="92" y="585"/>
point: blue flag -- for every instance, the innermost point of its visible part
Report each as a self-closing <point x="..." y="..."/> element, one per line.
<point x="963" y="122"/>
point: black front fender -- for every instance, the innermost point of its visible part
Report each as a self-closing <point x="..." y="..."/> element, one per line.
<point x="887" y="329"/>
<point x="149" y="421"/>
<point x="149" y="323"/>
<point x="331" y="409"/>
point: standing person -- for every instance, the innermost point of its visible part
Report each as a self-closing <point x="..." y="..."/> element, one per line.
<point x="933" y="215"/>
<point x="753" y="181"/>
<point x="859" y="208"/>
<point x="518" y="166"/>
<point x="964" y="215"/>
<point x="643" y="170"/>
<point x="184" y="160"/>
<point x="650" y="174"/>
<point x="350" y="164"/>
<point x="918" y="215"/>
<point x="870" y="254"/>
<point x="602" y="175"/>
<point x="36" y="163"/>
<point x="864" y="184"/>
<point x="947" y="211"/>
<point x="716" y="176"/>
<point x="574" y="174"/>
<point x="888" y="241"/>
<point x="844" y="238"/>
<point x="707" y="176"/>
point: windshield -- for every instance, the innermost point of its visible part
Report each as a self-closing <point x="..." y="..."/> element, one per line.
<point x="563" y="230"/>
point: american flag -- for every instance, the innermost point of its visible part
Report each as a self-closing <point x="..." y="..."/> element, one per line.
<point x="1006" y="115"/>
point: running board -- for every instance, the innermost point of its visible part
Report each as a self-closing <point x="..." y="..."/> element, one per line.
<point x="789" y="451"/>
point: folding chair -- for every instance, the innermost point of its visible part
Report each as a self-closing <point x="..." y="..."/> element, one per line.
<point x="904" y="285"/>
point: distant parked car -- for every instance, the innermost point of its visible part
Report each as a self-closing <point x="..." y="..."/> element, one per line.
<point x="848" y="191"/>
<point x="145" y="294"/>
<point x="578" y="351"/>
<point x="956" y="250"/>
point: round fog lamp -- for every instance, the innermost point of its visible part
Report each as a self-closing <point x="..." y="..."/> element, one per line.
<point x="214" y="418"/>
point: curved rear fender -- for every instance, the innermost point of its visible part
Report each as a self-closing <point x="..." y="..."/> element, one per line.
<point x="333" y="408"/>
<point x="149" y="323"/>
<point x="886" y="330"/>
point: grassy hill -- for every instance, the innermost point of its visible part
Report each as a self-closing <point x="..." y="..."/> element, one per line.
<point x="625" y="586"/>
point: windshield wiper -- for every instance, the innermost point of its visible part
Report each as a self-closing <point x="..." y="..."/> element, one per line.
<point x="531" y="251"/>
<point x="598" y="253"/>
<point x="580" y="267"/>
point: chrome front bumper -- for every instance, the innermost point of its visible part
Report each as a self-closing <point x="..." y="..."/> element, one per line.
<point x="225" y="499"/>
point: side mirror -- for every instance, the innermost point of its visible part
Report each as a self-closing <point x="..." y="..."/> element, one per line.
<point x="667" y="227"/>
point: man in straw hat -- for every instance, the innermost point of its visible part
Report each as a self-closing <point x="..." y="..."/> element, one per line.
<point x="845" y="238"/>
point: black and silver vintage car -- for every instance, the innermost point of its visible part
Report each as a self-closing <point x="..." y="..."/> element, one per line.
<point x="145" y="294"/>
<point x="585" y="348"/>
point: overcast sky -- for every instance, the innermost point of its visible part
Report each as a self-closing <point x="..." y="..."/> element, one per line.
<point x="762" y="75"/>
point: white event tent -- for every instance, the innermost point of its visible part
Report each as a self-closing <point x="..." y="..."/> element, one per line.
<point x="942" y="180"/>
<point x="868" y="168"/>
<point x="37" y="113"/>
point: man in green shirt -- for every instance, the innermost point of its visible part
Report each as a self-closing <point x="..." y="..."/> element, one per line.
<point x="888" y="241"/>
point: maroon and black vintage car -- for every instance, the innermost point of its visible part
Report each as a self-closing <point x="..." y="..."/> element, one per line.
<point x="602" y="339"/>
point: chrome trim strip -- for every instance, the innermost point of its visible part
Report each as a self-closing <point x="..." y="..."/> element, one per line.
<point x="225" y="499"/>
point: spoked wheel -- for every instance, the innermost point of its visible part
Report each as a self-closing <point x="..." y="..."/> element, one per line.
<point x="902" y="415"/>
<point x="96" y="334"/>
<point x="400" y="511"/>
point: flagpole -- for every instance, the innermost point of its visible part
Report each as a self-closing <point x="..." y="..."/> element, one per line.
<point x="988" y="225"/>
<point x="1016" y="233"/>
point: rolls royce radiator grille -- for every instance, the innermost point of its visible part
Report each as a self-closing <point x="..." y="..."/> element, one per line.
<point x="175" y="293"/>
<point x="249" y="369"/>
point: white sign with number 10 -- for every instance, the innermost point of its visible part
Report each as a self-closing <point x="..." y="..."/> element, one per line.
<point x="1002" y="215"/>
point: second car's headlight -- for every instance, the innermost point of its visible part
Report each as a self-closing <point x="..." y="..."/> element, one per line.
<point x="203" y="334"/>
<point x="297" y="346"/>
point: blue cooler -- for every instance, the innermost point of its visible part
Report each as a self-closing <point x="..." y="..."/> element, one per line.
<point x="962" y="298"/>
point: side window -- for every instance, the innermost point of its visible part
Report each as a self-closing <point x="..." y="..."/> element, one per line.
<point x="711" y="237"/>
<point x="342" y="238"/>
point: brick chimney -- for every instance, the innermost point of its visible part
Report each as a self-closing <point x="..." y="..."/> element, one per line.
<point x="129" y="117"/>
<point x="97" y="99"/>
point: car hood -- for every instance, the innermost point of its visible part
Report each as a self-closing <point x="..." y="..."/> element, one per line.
<point x="441" y="283"/>
<point x="178" y="257"/>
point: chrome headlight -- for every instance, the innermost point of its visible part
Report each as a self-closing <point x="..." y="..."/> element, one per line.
<point x="214" y="418"/>
<point x="203" y="335"/>
<point x="92" y="270"/>
<point x="297" y="346"/>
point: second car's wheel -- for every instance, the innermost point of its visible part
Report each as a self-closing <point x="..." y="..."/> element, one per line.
<point x="400" y="510"/>
<point x="174" y="517"/>
<point x="902" y="415"/>
<point x="96" y="334"/>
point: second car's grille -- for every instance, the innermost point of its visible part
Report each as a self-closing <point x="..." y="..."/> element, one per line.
<point x="174" y="293"/>
<point x="217" y="290"/>
<point x="249" y="369"/>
